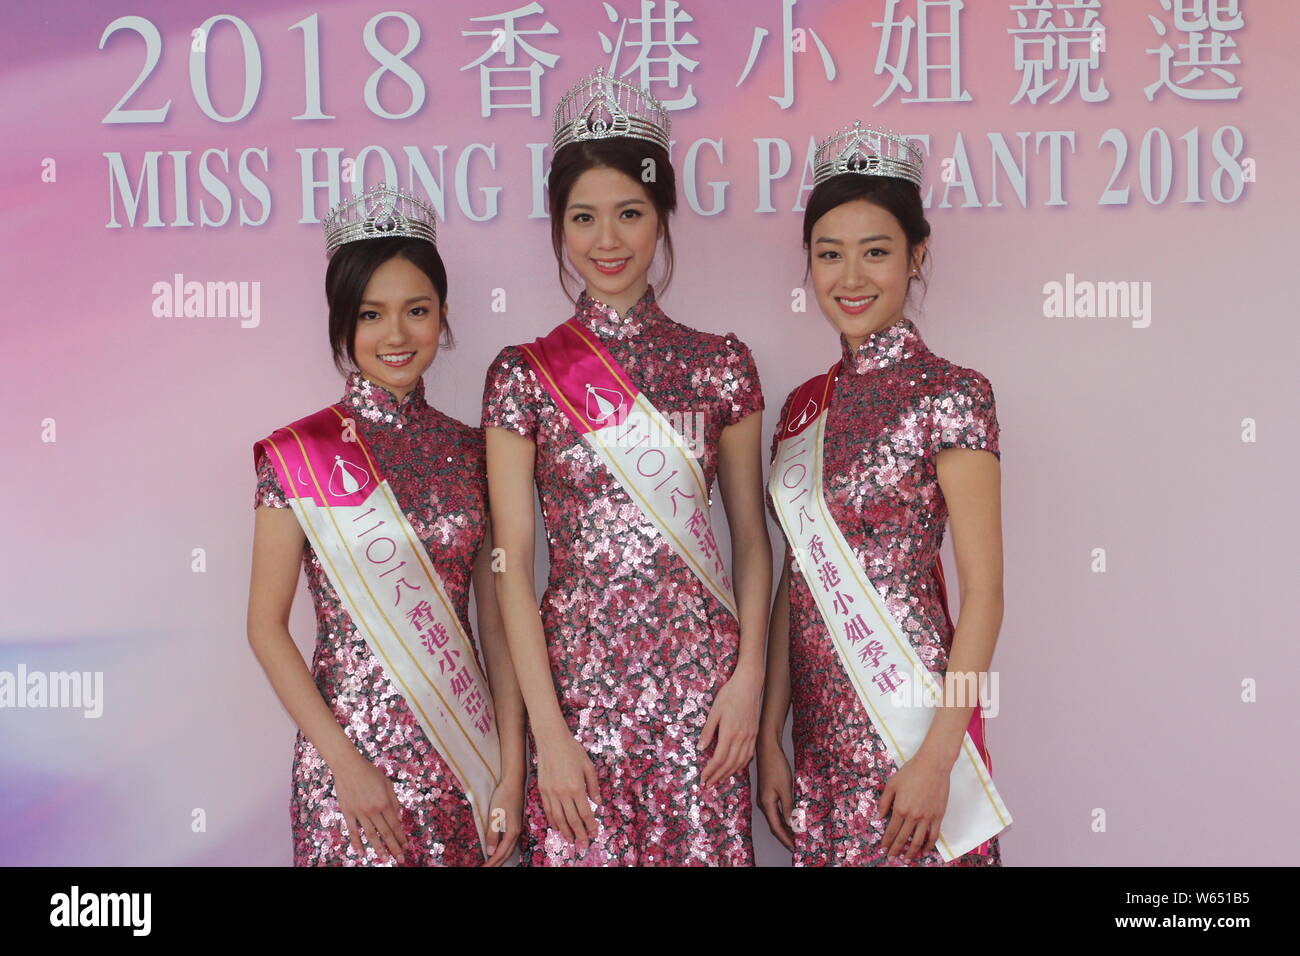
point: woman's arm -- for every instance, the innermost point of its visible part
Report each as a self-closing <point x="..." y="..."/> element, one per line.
<point x="566" y="777"/>
<point x="775" y="784"/>
<point x="735" y="711"/>
<point x="508" y="706"/>
<point x="506" y="699"/>
<point x="970" y="480"/>
<point x="365" y="795"/>
<point x="277" y="553"/>
<point x="776" y="691"/>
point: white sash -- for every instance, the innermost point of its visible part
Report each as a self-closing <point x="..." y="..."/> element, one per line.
<point x="394" y="595"/>
<point x="881" y="663"/>
<point x="642" y="450"/>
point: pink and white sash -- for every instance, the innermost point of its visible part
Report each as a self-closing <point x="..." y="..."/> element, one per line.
<point x="387" y="583"/>
<point x="643" y="451"/>
<point x="896" y="689"/>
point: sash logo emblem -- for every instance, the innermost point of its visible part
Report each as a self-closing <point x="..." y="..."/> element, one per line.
<point x="602" y="403"/>
<point x="808" y="414"/>
<point x="346" y="478"/>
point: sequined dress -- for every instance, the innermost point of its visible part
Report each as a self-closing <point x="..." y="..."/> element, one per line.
<point x="436" y="467"/>
<point x="894" y="406"/>
<point x="638" y="647"/>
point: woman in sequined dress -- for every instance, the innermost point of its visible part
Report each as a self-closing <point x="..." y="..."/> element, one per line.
<point x="368" y="786"/>
<point x="911" y="442"/>
<point x="642" y="690"/>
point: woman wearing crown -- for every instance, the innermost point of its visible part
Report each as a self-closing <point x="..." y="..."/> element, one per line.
<point x="642" y="670"/>
<point x="407" y="753"/>
<point x="869" y="461"/>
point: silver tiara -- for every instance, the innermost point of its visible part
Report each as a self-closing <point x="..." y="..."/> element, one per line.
<point x="602" y="106"/>
<point x="380" y="212"/>
<point x="869" y="152"/>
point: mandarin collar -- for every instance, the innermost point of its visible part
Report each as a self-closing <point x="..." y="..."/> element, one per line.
<point x="882" y="348"/>
<point x="604" y="320"/>
<point x="379" y="406"/>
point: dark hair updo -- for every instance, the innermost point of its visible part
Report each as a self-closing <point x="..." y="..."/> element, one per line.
<point x="900" y="197"/>
<point x="349" y="272"/>
<point x="627" y="155"/>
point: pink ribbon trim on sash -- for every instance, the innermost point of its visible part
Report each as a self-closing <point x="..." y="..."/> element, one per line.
<point x="318" y="439"/>
<point x="582" y="377"/>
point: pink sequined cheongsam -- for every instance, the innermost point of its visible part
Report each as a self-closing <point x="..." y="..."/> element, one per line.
<point x="436" y="466"/>
<point x="894" y="406"/>
<point x="638" y="646"/>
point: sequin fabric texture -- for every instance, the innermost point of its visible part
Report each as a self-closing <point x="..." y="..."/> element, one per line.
<point x="436" y="467"/>
<point x="638" y="647"/>
<point x="894" y="406"/>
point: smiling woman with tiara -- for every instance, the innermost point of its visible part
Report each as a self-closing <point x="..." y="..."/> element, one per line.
<point x="643" y="669"/>
<point x="870" y="460"/>
<point x="410" y="742"/>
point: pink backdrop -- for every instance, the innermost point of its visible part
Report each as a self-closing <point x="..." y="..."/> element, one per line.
<point x="1130" y="726"/>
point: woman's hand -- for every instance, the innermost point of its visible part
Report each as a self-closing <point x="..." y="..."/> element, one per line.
<point x="733" y="720"/>
<point x="368" y="802"/>
<point x="505" y="811"/>
<point x="776" y="792"/>
<point x="918" y="796"/>
<point x="566" y="779"/>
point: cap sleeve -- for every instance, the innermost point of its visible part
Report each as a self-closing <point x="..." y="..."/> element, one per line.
<point x="269" y="492"/>
<point x="741" y="389"/>
<point x="965" y="415"/>
<point x="512" y="394"/>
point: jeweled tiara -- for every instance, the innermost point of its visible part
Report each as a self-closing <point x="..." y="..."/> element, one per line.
<point x="603" y="106"/>
<point x="380" y="212"/>
<point x="869" y="152"/>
